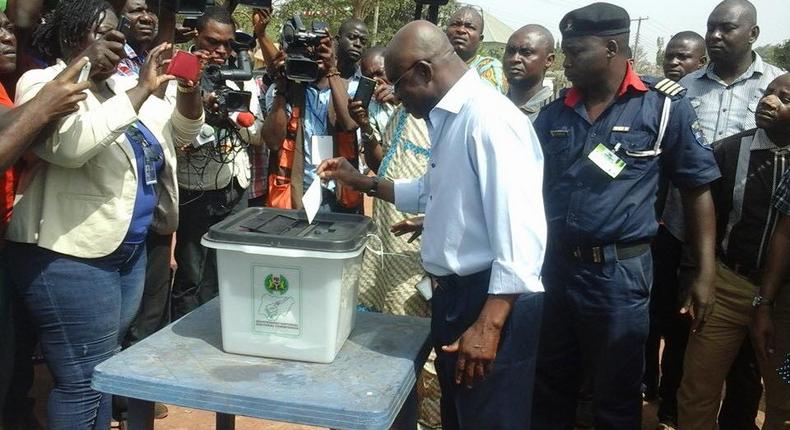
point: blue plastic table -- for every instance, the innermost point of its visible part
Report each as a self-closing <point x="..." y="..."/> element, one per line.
<point x="183" y="364"/>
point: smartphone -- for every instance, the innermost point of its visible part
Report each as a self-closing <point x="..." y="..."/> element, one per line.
<point x="185" y="66"/>
<point x="124" y="26"/>
<point x="365" y="91"/>
<point x="84" y="73"/>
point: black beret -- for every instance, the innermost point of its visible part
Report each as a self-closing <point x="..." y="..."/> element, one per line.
<point x="597" y="19"/>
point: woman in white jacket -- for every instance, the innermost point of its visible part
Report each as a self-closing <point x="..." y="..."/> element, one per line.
<point x="107" y="171"/>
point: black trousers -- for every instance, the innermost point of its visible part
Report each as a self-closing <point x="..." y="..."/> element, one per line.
<point x="503" y="400"/>
<point x="196" y="280"/>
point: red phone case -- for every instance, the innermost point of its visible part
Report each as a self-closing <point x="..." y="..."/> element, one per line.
<point x="185" y="66"/>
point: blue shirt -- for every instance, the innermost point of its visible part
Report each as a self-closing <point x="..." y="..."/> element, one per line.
<point x="481" y="194"/>
<point x="316" y="120"/>
<point x="587" y="206"/>
<point x="145" y="200"/>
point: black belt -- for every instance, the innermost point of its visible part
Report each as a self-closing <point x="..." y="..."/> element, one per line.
<point x="597" y="254"/>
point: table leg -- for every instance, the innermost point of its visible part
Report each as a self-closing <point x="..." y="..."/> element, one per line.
<point x="226" y="421"/>
<point x="140" y="415"/>
<point x="407" y="417"/>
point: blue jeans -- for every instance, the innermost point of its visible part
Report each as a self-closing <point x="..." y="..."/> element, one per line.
<point x="81" y="309"/>
<point x="595" y="323"/>
<point x="503" y="400"/>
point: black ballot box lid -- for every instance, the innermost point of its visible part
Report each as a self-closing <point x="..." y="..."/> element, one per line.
<point x="284" y="228"/>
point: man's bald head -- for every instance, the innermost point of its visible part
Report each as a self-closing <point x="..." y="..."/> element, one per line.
<point x="528" y="54"/>
<point x="732" y="30"/>
<point x="744" y="9"/>
<point x="541" y="36"/>
<point x="420" y="62"/>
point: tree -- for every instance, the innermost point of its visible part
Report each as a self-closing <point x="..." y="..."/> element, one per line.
<point x="778" y="55"/>
<point x="660" y="51"/>
<point x="393" y="14"/>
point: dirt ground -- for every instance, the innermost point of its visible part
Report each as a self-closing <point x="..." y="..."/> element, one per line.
<point x="193" y="419"/>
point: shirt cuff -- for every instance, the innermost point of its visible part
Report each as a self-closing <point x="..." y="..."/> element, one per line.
<point x="407" y="195"/>
<point x="512" y="279"/>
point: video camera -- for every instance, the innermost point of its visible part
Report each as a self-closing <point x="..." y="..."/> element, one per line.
<point x="300" y="48"/>
<point x="238" y="69"/>
<point x="197" y="7"/>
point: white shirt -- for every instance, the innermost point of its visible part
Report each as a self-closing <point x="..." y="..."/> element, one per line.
<point x="482" y="193"/>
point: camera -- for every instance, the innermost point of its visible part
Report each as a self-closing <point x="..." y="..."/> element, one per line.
<point x="238" y="69"/>
<point x="300" y="49"/>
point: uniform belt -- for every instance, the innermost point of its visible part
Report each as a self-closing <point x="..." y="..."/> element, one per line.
<point x="597" y="254"/>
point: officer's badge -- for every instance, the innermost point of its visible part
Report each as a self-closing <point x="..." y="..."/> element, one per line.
<point x="699" y="135"/>
<point x="568" y="25"/>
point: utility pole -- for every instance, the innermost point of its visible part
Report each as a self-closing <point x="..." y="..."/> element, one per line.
<point x="376" y="19"/>
<point x="636" y="39"/>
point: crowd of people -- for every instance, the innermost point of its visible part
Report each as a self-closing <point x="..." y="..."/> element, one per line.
<point x="555" y="237"/>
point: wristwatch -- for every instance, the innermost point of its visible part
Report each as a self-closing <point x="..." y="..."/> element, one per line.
<point x="367" y="135"/>
<point x="760" y="300"/>
<point x="374" y="187"/>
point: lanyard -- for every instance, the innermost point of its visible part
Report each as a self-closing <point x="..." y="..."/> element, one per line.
<point x="140" y="134"/>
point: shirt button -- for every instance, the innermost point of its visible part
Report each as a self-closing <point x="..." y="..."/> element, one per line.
<point x="430" y="197"/>
<point x="579" y="184"/>
<point x="724" y="110"/>
<point x="721" y="132"/>
<point x="433" y="165"/>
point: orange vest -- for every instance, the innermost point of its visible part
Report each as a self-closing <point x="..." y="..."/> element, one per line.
<point x="281" y="169"/>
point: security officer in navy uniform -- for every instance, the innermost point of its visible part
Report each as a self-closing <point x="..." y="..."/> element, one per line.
<point x="606" y="141"/>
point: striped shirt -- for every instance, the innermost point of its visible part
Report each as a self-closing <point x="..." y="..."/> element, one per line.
<point x="752" y="167"/>
<point x="781" y="200"/>
<point x="725" y="110"/>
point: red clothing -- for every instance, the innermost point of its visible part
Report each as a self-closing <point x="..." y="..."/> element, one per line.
<point x="631" y="80"/>
<point x="8" y="179"/>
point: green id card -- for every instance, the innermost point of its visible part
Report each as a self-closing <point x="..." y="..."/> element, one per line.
<point x="606" y="160"/>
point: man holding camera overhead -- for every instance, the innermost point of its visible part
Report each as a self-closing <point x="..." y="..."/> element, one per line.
<point x="308" y="118"/>
<point x="214" y="172"/>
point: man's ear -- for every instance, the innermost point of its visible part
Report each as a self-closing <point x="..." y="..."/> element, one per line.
<point x="703" y="61"/>
<point x="612" y="48"/>
<point x="549" y="61"/>
<point x="424" y="70"/>
<point x="754" y="34"/>
<point x="482" y="37"/>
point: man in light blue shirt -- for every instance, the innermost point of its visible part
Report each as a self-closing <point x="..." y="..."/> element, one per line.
<point x="484" y="232"/>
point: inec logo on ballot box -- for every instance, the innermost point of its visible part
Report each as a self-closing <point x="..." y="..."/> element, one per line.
<point x="276" y="295"/>
<point x="276" y="284"/>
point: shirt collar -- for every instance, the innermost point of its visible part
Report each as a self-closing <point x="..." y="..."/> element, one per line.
<point x="459" y="93"/>
<point x="630" y="81"/>
<point x="756" y="68"/>
<point x="537" y="101"/>
<point x="761" y="141"/>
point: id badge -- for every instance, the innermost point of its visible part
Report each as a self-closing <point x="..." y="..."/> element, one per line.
<point x="149" y="168"/>
<point x="321" y="148"/>
<point x="607" y="160"/>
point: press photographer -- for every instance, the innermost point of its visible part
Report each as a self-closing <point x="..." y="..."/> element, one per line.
<point x="214" y="172"/>
<point x="308" y="118"/>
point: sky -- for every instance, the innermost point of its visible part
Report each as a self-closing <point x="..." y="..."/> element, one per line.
<point x="666" y="17"/>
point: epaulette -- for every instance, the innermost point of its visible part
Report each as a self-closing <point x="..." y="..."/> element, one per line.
<point x="668" y="87"/>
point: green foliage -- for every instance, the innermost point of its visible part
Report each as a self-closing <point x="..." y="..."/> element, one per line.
<point x="392" y="15"/>
<point x="778" y="54"/>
